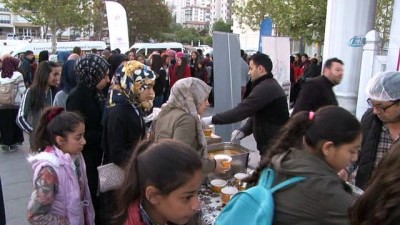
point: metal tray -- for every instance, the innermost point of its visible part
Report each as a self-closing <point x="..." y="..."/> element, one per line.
<point x="239" y="162"/>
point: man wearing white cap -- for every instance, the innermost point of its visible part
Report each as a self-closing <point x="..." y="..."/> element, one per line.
<point x="381" y="123"/>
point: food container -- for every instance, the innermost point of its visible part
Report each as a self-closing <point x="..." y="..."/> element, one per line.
<point x="227" y="193"/>
<point x="217" y="185"/>
<point x="239" y="154"/>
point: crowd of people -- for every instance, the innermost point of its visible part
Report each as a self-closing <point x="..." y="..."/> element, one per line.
<point x="146" y="116"/>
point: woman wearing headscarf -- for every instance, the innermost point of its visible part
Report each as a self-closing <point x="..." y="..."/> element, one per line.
<point x="69" y="80"/>
<point x="11" y="134"/>
<point x="179" y="118"/>
<point x="131" y="94"/>
<point x="88" y="99"/>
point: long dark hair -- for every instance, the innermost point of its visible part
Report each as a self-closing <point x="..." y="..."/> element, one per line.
<point x="298" y="63"/>
<point x="54" y="122"/>
<point x="330" y="123"/>
<point x="156" y="63"/>
<point x="380" y="204"/>
<point x="40" y="82"/>
<point x="181" y="69"/>
<point x="166" y="165"/>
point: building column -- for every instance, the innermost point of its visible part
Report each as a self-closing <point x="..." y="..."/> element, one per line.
<point x="394" y="43"/>
<point x="345" y="20"/>
<point x="371" y="50"/>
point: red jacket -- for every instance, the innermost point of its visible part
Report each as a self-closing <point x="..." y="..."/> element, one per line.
<point x="174" y="76"/>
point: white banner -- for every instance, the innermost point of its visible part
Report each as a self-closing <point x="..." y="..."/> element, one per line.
<point x="117" y="26"/>
<point x="278" y="49"/>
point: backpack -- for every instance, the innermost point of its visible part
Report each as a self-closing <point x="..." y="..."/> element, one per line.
<point x="8" y="92"/>
<point x="256" y="205"/>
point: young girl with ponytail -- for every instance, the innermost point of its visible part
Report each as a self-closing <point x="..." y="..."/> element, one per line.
<point x="315" y="146"/>
<point x="61" y="194"/>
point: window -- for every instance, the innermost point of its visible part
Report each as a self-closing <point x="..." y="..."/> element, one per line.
<point x="5" y="19"/>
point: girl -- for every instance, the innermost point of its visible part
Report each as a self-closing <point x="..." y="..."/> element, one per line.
<point x="194" y="59"/>
<point x="61" y="194"/>
<point x="315" y="146"/>
<point x="11" y="134"/>
<point x="201" y="71"/>
<point x="380" y="204"/>
<point x="181" y="68"/>
<point x="179" y="118"/>
<point x="161" y="185"/>
<point x="88" y="99"/>
<point x="38" y="96"/>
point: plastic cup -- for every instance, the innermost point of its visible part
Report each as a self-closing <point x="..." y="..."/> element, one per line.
<point x="225" y="161"/>
<point x="217" y="185"/>
<point x="227" y="193"/>
<point x="239" y="180"/>
<point x="207" y="132"/>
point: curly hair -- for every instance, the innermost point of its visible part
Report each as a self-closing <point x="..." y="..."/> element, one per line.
<point x="10" y="65"/>
<point x="380" y="204"/>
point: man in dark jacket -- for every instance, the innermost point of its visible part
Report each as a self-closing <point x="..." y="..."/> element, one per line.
<point x="380" y="123"/>
<point x="318" y="92"/>
<point x="26" y="68"/>
<point x="264" y="104"/>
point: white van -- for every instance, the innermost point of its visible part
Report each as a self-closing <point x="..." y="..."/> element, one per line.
<point x="147" y="48"/>
<point x="37" y="47"/>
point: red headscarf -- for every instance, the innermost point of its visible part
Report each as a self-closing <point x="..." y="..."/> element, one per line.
<point x="10" y="64"/>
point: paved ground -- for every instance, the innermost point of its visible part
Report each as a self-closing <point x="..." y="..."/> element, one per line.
<point x="17" y="185"/>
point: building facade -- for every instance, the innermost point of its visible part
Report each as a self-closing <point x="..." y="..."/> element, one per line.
<point x="220" y="9"/>
<point x="14" y="24"/>
<point x="193" y="13"/>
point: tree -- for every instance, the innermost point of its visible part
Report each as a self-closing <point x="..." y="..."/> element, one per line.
<point x="299" y="19"/>
<point x="147" y="19"/>
<point x="302" y="19"/>
<point x="383" y="20"/>
<point x="187" y="35"/>
<point x="98" y="20"/>
<point x="220" y="25"/>
<point x="56" y="14"/>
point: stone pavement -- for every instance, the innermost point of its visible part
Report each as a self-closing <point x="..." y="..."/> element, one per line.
<point x="17" y="184"/>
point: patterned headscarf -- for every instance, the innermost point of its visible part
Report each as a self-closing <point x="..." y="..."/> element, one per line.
<point x="91" y="69"/>
<point x="189" y="94"/>
<point x="129" y="81"/>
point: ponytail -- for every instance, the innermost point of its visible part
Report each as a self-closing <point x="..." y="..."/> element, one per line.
<point x="290" y="136"/>
<point x="329" y="123"/>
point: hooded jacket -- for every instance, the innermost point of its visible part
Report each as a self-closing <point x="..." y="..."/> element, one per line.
<point x="67" y="201"/>
<point x="322" y="198"/>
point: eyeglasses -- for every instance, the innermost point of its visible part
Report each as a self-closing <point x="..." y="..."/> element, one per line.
<point x="382" y="108"/>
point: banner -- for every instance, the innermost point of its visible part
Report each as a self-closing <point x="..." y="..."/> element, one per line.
<point x="265" y="30"/>
<point x="278" y="49"/>
<point x="117" y="26"/>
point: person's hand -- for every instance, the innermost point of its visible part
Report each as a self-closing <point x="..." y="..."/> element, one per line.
<point x="344" y="174"/>
<point x="219" y="168"/>
<point x="237" y="135"/>
<point x="207" y="120"/>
